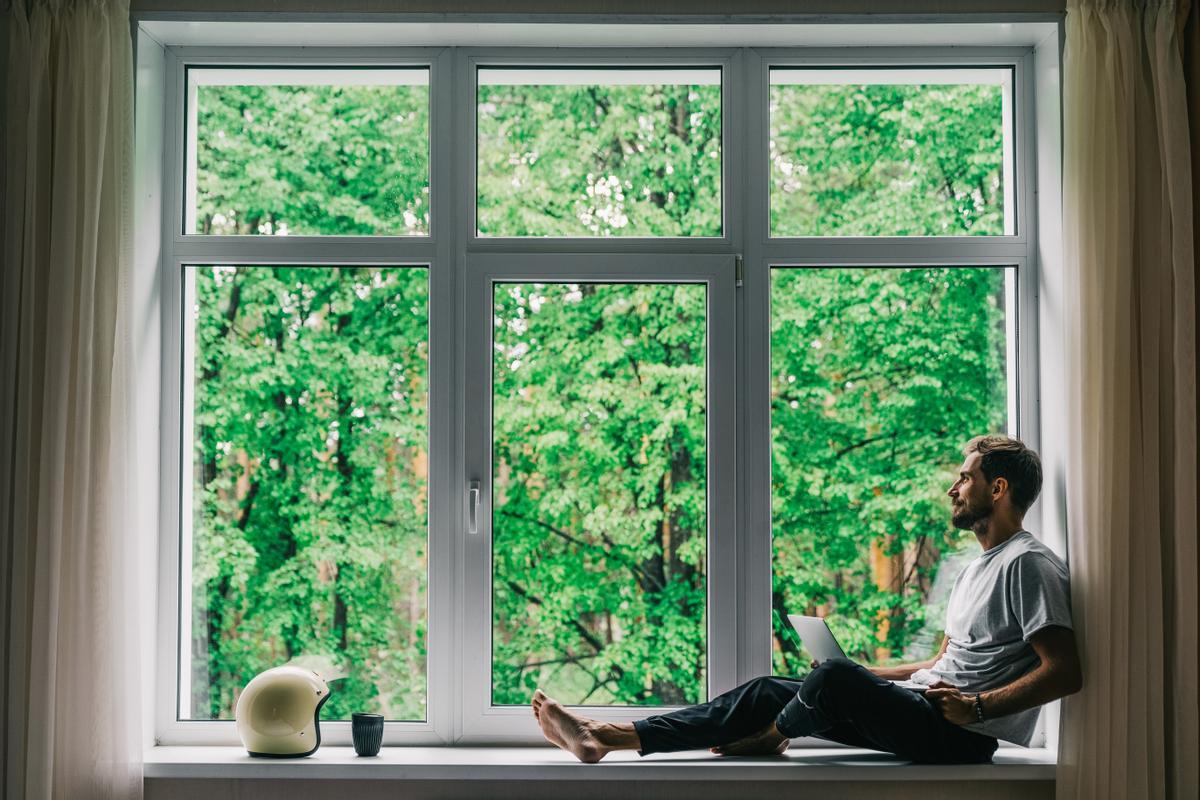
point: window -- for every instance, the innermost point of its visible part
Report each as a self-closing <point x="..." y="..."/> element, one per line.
<point x="603" y="455"/>
<point x="504" y="368"/>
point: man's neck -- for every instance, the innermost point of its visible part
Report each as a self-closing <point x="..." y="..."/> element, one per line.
<point x="992" y="532"/>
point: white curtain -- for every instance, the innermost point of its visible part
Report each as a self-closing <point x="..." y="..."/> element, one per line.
<point x="1130" y="349"/>
<point x="71" y="698"/>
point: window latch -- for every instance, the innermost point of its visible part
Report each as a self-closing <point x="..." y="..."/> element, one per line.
<point x="473" y="508"/>
<point x="739" y="271"/>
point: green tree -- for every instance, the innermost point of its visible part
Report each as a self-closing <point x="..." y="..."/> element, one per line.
<point x="599" y="160"/>
<point x="599" y="500"/>
<point x="334" y="160"/>
<point x="886" y="160"/>
<point x="310" y="444"/>
<point x="878" y="375"/>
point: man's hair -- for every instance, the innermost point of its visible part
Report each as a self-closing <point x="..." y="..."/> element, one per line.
<point x="1008" y="458"/>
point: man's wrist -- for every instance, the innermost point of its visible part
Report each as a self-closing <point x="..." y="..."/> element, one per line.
<point x="977" y="707"/>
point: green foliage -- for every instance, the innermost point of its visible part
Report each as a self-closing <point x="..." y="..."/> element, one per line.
<point x="878" y="378"/>
<point x="345" y="160"/>
<point x="310" y="524"/>
<point x="886" y="160"/>
<point x="599" y="511"/>
<point x="599" y="160"/>
<point x="310" y="505"/>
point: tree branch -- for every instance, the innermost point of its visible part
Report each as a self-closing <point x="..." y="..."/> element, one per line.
<point x="587" y="635"/>
<point x="863" y="443"/>
<point x="609" y="550"/>
<point x="244" y="516"/>
<point x="549" y="661"/>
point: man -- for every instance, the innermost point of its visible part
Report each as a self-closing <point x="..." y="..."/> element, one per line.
<point x="1009" y="648"/>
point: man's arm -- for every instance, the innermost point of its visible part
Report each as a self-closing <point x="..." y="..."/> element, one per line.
<point x="1057" y="675"/>
<point x="905" y="671"/>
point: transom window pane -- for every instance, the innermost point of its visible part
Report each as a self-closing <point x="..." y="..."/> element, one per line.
<point x="599" y="493"/>
<point x="313" y="151"/>
<point x="878" y="377"/>
<point x="309" y="407"/>
<point x="890" y="152"/>
<point x="599" y="152"/>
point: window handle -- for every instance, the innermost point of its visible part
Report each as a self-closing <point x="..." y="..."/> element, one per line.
<point x="473" y="508"/>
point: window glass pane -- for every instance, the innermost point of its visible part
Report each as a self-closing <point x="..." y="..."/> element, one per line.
<point x="891" y="152"/>
<point x="599" y="152"/>
<point x="308" y="151"/>
<point x="309" y="484"/>
<point x="599" y="493"/>
<point x="879" y="376"/>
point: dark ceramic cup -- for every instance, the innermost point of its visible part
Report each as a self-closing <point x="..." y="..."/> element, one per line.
<point x="367" y="730"/>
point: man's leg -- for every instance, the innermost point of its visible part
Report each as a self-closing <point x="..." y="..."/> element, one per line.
<point x="847" y="703"/>
<point x="723" y="720"/>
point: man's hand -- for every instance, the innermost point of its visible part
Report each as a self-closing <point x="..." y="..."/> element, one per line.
<point x="955" y="706"/>
<point x="767" y="742"/>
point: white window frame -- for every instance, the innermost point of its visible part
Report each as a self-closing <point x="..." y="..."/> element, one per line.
<point x="434" y="252"/>
<point x="483" y="722"/>
<point x="470" y="60"/>
<point x="460" y="264"/>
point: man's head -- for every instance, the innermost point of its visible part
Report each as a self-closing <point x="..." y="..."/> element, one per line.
<point x="999" y="473"/>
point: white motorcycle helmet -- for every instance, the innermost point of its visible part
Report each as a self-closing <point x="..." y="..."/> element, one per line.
<point x="279" y="713"/>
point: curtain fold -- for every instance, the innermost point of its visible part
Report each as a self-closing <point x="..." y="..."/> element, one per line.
<point x="1131" y="353"/>
<point x="71" y="698"/>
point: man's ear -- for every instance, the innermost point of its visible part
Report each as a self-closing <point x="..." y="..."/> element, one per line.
<point x="999" y="487"/>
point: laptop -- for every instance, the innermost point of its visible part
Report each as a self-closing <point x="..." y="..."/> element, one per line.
<point x="821" y="644"/>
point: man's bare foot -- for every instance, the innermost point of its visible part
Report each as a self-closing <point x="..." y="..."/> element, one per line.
<point x="586" y="739"/>
<point x="539" y="700"/>
<point x="767" y="742"/>
<point x="562" y="728"/>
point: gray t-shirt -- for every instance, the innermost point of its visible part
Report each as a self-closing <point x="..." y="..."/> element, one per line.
<point x="1001" y="599"/>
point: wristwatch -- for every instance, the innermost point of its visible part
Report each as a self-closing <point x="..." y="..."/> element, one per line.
<point x="979" y="707"/>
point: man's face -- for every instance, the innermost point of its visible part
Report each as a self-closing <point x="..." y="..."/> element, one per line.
<point x="971" y="495"/>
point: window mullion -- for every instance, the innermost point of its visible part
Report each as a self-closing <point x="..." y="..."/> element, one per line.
<point x="444" y="455"/>
<point x="754" y="545"/>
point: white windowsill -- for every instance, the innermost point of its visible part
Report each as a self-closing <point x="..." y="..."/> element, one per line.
<point x="545" y="763"/>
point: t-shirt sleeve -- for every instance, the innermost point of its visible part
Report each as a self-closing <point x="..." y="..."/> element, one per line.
<point x="1039" y="594"/>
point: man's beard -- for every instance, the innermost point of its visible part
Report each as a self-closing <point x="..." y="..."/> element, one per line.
<point x="968" y="514"/>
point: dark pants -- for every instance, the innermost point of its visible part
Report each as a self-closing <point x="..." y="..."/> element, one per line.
<point x="839" y="701"/>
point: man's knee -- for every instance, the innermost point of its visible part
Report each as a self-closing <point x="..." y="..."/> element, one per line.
<point x="767" y="686"/>
<point x="834" y="680"/>
<point x="837" y="672"/>
<point x="766" y="692"/>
